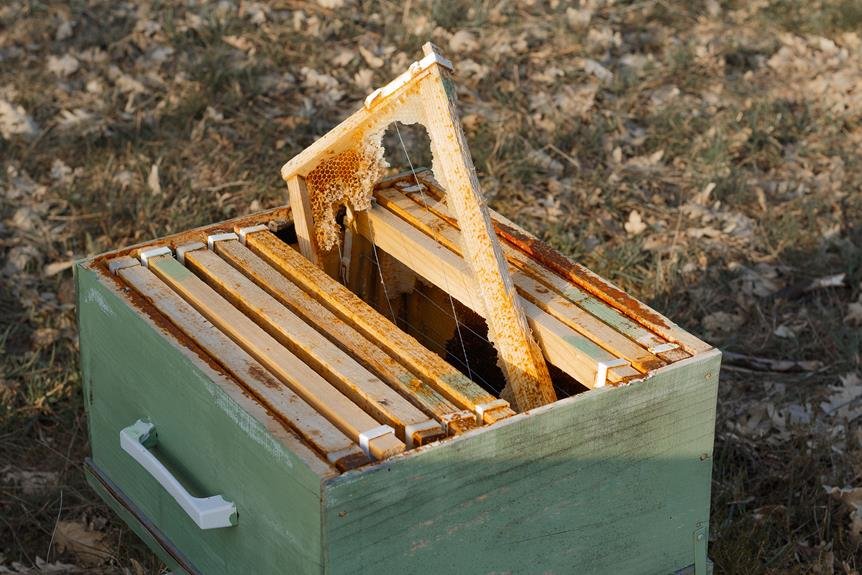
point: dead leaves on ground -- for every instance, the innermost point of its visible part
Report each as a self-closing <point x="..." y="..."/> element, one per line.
<point x="90" y="547"/>
<point x="680" y="151"/>
<point x="852" y="499"/>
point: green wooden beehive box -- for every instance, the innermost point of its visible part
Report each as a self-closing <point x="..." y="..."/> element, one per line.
<point x="218" y="477"/>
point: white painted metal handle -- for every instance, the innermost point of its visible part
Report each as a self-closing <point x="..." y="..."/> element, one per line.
<point x="207" y="512"/>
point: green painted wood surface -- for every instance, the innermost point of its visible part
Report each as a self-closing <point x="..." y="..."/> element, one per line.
<point x="134" y="369"/>
<point x="610" y="481"/>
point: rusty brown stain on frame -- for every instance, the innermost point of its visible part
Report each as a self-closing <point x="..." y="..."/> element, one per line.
<point x="173" y="240"/>
<point x="553" y="260"/>
<point x="143" y="305"/>
<point x="562" y="266"/>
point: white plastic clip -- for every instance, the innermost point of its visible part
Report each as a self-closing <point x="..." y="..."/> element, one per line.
<point x="602" y="368"/>
<point x="483" y="407"/>
<point x="182" y="250"/>
<point x="145" y="255"/>
<point x="117" y="264"/>
<point x="435" y="58"/>
<point x="662" y="348"/>
<point x="243" y="232"/>
<point x="409" y="430"/>
<point x="366" y="436"/>
<point x="369" y="99"/>
<point x="220" y="238"/>
<point x="409" y="74"/>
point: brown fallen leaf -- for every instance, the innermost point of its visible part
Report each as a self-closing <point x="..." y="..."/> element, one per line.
<point x="54" y="268"/>
<point x="88" y="546"/>
<point x="854" y="313"/>
<point x="371" y="58"/>
<point x="846" y="398"/>
<point x="153" y="180"/>
<point x="635" y="224"/>
<point x="722" y="322"/>
<point x="14" y="120"/>
<point x="240" y="43"/>
<point x="45" y="336"/>
<point x="463" y="41"/>
<point x="852" y="498"/>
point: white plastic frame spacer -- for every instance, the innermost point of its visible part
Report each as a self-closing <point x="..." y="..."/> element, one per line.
<point x="481" y="408"/>
<point x="243" y="232"/>
<point x="413" y="70"/>
<point x="663" y="347"/>
<point x="435" y="58"/>
<point x="367" y="436"/>
<point x="602" y="368"/>
<point x="220" y="238"/>
<point x="121" y="263"/>
<point x="182" y="250"/>
<point x="145" y="255"/>
<point x="409" y="430"/>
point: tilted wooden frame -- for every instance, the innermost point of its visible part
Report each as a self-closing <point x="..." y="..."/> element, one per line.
<point x="423" y="94"/>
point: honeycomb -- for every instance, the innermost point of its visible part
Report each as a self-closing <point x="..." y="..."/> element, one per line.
<point x="347" y="176"/>
<point x="350" y="175"/>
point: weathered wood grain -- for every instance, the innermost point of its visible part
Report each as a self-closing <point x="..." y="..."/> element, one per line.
<point x="441" y="376"/>
<point x="340" y="369"/>
<point x="210" y="434"/>
<point x="519" y="356"/>
<point x="615" y="480"/>
<point x="303" y="222"/>
<point x="291" y="370"/>
<point x="340" y="450"/>
<point x="345" y="336"/>
<point x="565" y="348"/>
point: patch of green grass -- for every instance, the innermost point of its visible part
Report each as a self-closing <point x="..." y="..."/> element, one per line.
<point x="824" y="18"/>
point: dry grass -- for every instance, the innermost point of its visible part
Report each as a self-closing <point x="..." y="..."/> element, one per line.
<point x="704" y="155"/>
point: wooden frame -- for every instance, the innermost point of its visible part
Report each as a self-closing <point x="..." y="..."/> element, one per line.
<point x="346" y="336"/>
<point x="572" y="353"/>
<point x="428" y="88"/>
<point x="527" y="286"/>
<point x="319" y="393"/>
<point x="435" y="372"/>
<point x="341" y="370"/>
<point x="314" y="428"/>
<point x="427" y="194"/>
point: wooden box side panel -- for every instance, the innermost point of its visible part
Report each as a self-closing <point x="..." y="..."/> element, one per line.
<point x="611" y="481"/>
<point x="214" y="438"/>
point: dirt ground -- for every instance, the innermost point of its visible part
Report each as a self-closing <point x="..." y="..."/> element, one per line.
<point x="703" y="155"/>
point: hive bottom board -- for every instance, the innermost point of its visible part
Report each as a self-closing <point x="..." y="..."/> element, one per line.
<point x="614" y="480"/>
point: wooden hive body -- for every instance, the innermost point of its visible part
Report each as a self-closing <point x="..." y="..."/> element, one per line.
<point x="614" y="476"/>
